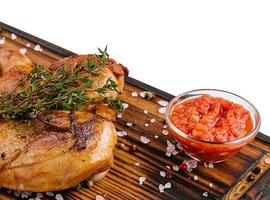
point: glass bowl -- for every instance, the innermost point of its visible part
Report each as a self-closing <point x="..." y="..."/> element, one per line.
<point x="205" y="151"/>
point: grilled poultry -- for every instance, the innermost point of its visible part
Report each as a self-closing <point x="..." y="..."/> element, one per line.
<point x="57" y="149"/>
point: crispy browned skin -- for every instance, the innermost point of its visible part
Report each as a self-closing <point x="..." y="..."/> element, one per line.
<point x="112" y="69"/>
<point x="14" y="67"/>
<point x="52" y="159"/>
<point x="58" y="149"/>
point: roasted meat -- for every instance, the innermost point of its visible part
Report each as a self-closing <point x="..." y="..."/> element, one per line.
<point x="56" y="149"/>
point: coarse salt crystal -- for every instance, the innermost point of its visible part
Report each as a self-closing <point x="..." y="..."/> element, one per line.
<point x="165" y="132"/>
<point x="99" y="197"/>
<point x="168" y="167"/>
<point x="163" y="103"/>
<point x="38" y="48"/>
<point x="144" y="139"/>
<point x="193" y="163"/>
<point x="145" y="111"/>
<point x="153" y="120"/>
<point x="267" y="161"/>
<point x="175" y="168"/>
<point x="120" y="115"/>
<point x="24" y="195"/>
<point x="162" y="110"/>
<point x="205" y="194"/>
<point x="210" y="184"/>
<point x="211" y="165"/>
<point x="50" y="194"/>
<point x="28" y="45"/>
<point x="121" y="133"/>
<point x="134" y="94"/>
<point x="13" y="36"/>
<point x="129" y="124"/>
<point x="205" y="165"/>
<point x="141" y="180"/>
<point x="39" y="195"/>
<point x="170" y="149"/>
<point x="142" y="94"/>
<point x="168" y="185"/>
<point x="156" y="136"/>
<point x="137" y="163"/>
<point x="146" y="125"/>
<point x="2" y="40"/>
<point x="23" y="50"/>
<point x="59" y="197"/>
<point x="162" y="173"/>
<point x="161" y="187"/>
<point x="195" y="177"/>
<point x="125" y="105"/>
<point x="165" y="126"/>
<point x="17" y="193"/>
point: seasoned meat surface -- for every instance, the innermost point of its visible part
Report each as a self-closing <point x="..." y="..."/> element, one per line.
<point x="57" y="149"/>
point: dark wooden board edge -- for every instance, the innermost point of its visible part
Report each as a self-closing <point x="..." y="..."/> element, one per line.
<point x="63" y="52"/>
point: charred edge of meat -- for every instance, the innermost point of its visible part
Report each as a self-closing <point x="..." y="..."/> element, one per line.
<point x="82" y="132"/>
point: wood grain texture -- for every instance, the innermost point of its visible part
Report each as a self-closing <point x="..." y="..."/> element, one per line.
<point x="229" y="178"/>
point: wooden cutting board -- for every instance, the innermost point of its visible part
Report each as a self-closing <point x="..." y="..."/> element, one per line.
<point x="227" y="180"/>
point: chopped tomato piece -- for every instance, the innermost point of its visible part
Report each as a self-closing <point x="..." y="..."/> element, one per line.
<point x="212" y="119"/>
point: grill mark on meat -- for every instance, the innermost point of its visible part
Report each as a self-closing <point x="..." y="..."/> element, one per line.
<point x="82" y="132"/>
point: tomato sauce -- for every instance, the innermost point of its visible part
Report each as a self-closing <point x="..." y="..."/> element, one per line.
<point x="212" y="119"/>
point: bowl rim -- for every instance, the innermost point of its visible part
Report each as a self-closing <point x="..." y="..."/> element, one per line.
<point x="236" y="141"/>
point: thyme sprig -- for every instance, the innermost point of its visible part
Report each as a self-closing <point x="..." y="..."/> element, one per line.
<point x="62" y="89"/>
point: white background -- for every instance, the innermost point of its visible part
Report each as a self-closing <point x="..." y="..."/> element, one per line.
<point x="173" y="45"/>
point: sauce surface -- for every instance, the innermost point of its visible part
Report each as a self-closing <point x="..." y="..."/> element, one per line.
<point x="212" y="119"/>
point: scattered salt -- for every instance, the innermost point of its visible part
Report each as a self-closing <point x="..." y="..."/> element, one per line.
<point x="99" y="197"/>
<point x="161" y="187"/>
<point x="145" y="111"/>
<point x="144" y="139"/>
<point x="59" y="197"/>
<point x="129" y="124"/>
<point x="28" y="44"/>
<point x="175" y="168"/>
<point x="163" y="103"/>
<point x="134" y="94"/>
<point x="205" y="194"/>
<point x="165" y="126"/>
<point x="156" y="136"/>
<point x="146" y="125"/>
<point x="210" y="184"/>
<point x="120" y="115"/>
<point x="211" y="165"/>
<point x="17" y="193"/>
<point x="39" y="195"/>
<point x="38" y="48"/>
<point x="141" y="179"/>
<point x="162" y="173"/>
<point x="267" y="161"/>
<point x="153" y="120"/>
<point x="125" y="105"/>
<point x="121" y="133"/>
<point x="50" y="194"/>
<point x="13" y="36"/>
<point x="168" y="185"/>
<point x="142" y="94"/>
<point x="195" y="177"/>
<point x="170" y="150"/>
<point x="165" y="132"/>
<point x="162" y="110"/>
<point x="137" y="163"/>
<point x="23" y="50"/>
<point x="3" y="40"/>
